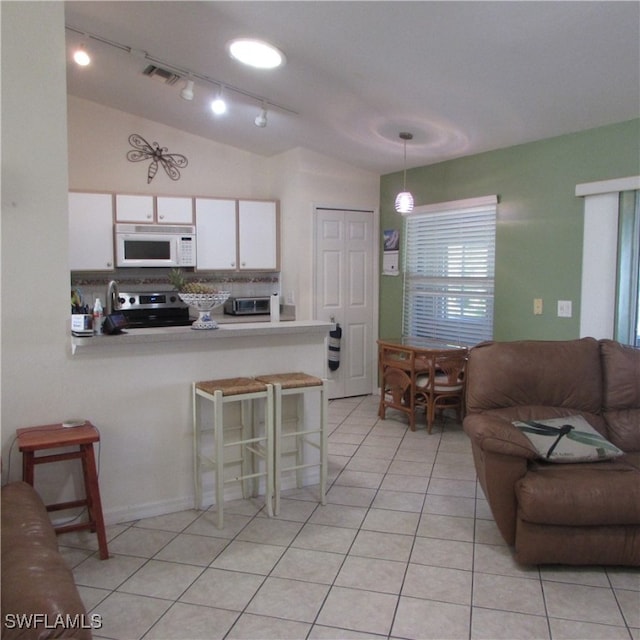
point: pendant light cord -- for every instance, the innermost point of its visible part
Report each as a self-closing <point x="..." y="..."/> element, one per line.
<point x="404" y="178"/>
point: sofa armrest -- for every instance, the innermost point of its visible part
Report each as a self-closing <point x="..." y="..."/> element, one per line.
<point x="497" y="434"/>
<point x="501" y="455"/>
<point x="40" y="600"/>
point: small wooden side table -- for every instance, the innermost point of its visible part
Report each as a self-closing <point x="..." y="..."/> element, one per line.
<point x="56" y="436"/>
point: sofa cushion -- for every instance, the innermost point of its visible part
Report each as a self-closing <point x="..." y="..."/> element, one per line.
<point x="621" y="393"/>
<point x="569" y="439"/>
<point x="587" y="494"/>
<point x="563" y="374"/>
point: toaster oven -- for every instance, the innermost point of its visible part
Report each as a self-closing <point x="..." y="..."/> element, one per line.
<point x="247" y="306"/>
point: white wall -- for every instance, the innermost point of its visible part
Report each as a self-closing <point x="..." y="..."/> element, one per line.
<point x="35" y="281"/>
<point x="98" y="144"/>
<point x="139" y="401"/>
<point x="303" y="179"/>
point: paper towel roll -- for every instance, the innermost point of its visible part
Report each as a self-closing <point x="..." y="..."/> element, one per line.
<point x="274" y="307"/>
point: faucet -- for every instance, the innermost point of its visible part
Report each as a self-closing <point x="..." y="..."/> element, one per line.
<point x="113" y="295"/>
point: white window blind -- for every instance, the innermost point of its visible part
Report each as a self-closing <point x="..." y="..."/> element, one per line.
<point x="449" y="265"/>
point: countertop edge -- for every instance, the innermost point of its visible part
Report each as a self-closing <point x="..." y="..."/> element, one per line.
<point x="187" y="334"/>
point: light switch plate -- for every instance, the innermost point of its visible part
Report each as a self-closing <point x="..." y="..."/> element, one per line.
<point x="564" y="309"/>
<point x="537" y="306"/>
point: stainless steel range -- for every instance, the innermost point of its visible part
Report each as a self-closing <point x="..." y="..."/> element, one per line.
<point x="161" y="309"/>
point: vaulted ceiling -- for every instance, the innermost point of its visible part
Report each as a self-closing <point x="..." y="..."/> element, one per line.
<point x="463" y="77"/>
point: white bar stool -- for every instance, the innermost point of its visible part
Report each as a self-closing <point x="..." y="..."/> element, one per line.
<point x="250" y="444"/>
<point x="300" y="384"/>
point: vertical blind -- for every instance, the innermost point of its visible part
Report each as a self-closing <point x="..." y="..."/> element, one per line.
<point x="449" y="267"/>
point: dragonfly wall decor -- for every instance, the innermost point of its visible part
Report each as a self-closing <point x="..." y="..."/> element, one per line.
<point x="158" y="155"/>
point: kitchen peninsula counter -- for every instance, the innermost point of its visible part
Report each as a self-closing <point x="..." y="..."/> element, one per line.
<point x="136" y="388"/>
<point x="203" y="337"/>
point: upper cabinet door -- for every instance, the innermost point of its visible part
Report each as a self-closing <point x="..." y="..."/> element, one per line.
<point x="216" y="238"/>
<point x="258" y="246"/>
<point x="174" y="210"/>
<point x="91" y="232"/>
<point x="134" y="208"/>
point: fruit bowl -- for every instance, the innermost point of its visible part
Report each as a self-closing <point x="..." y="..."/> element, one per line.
<point x="204" y="303"/>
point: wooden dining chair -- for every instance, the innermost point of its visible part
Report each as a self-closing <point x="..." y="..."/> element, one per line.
<point x="399" y="370"/>
<point x="443" y="386"/>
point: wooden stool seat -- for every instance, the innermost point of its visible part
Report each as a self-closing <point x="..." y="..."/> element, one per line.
<point x="56" y="436"/>
<point x="298" y="384"/>
<point x="231" y="386"/>
<point x="291" y="380"/>
<point x="249" y="444"/>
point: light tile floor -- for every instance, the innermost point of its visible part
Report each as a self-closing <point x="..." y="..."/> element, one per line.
<point x="405" y="549"/>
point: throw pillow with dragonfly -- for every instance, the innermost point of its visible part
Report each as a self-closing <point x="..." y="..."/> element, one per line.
<point x="548" y="435"/>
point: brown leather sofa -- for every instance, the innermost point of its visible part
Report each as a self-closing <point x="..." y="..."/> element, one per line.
<point x="577" y="513"/>
<point x="39" y="596"/>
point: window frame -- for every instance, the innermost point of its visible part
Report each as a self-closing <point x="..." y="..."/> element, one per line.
<point x="598" y="298"/>
<point x="448" y="289"/>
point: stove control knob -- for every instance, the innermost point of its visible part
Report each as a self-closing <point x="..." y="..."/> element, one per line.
<point x="121" y="300"/>
<point x="172" y="299"/>
<point x="132" y="300"/>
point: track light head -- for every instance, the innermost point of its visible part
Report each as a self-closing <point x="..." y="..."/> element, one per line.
<point x="81" y="56"/>
<point x="219" y="106"/>
<point x="261" y="118"/>
<point x="187" y="92"/>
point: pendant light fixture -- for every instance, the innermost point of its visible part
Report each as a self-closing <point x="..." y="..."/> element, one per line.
<point x="404" y="200"/>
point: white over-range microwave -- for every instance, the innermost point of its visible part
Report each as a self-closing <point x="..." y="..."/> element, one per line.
<point x="155" y="245"/>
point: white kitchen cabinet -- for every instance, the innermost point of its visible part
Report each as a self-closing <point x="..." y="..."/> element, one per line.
<point x="257" y="235"/>
<point x="174" y="210"/>
<point x="237" y="235"/>
<point x="91" y="231"/>
<point x="216" y="234"/>
<point x="134" y="208"/>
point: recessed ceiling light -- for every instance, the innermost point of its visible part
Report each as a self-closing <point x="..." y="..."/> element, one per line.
<point x="255" y="53"/>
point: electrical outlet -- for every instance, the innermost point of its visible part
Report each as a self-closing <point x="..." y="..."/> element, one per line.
<point x="564" y="309"/>
<point x="537" y="306"/>
<point x="289" y="299"/>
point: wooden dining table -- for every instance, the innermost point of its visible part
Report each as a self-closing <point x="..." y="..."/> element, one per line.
<point x="401" y="361"/>
<point x="424" y="349"/>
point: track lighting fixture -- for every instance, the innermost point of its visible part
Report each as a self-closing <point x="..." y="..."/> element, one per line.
<point x="187" y="92"/>
<point x="268" y="57"/>
<point x="261" y="118"/>
<point x="219" y="106"/>
<point x="404" y="200"/>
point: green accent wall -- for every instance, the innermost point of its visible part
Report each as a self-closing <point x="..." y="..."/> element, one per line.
<point x="539" y="225"/>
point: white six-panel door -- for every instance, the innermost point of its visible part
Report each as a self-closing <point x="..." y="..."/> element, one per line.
<point x="344" y="274"/>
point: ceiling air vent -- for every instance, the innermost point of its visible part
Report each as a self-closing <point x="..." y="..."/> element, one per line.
<point x="160" y="74"/>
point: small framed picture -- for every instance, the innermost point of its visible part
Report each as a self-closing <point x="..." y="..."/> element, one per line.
<point x="391" y="239"/>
